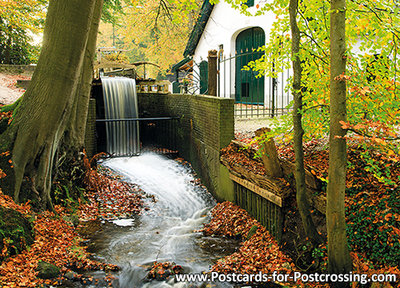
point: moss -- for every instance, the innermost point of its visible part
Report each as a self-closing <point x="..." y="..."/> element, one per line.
<point x="3" y="124"/>
<point x="7" y="182"/>
<point x="68" y="184"/>
<point x="16" y="232"/>
<point x="252" y="231"/>
<point x="11" y="107"/>
<point x="47" y="270"/>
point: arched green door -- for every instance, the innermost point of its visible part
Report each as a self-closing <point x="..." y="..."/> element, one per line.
<point x="249" y="89"/>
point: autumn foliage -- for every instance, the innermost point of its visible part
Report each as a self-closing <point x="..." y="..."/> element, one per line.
<point x="163" y="270"/>
<point x="107" y="196"/>
<point x="372" y="205"/>
<point x="259" y="253"/>
<point x="56" y="239"/>
<point x="56" y="242"/>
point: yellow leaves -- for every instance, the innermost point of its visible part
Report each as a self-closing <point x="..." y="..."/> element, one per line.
<point x="380" y="141"/>
<point x="360" y="91"/>
<point x="22" y="14"/>
<point x="152" y="33"/>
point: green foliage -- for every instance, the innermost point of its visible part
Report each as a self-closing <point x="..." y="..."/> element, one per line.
<point x="69" y="186"/>
<point x="373" y="66"/>
<point x="15" y="47"/>
<point x="19" y="20"/>
<point x="319" y="252"/>
<point x="112" y="9"/>
<point x="374" y="229"/>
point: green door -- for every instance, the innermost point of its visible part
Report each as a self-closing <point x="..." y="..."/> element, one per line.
<point x="249" y="89"/>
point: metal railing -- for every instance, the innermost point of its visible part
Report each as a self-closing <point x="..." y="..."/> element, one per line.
<point x="254" y="97"/>
<point x="129" y="137"/>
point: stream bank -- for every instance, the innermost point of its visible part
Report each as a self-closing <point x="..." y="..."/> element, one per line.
<point x="165" y="232"/>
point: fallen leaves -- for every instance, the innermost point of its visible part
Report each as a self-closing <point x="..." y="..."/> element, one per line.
<point x="56" y="242"/>
<point x="7" y="202"/>
<point x="260" y="253"/>
<point x="163" y="270"/>
<point x="109" y="197"/>
<point x="372" y="205"/>
<point x="239" y="158"/>
<point x="11" y="81"/>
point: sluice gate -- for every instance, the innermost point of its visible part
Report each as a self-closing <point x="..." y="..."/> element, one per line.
<point x="119" y="129"/>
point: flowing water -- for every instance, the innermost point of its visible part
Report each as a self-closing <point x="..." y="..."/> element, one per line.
<point x="167" y="231"/>
<point x="120" y="102"/>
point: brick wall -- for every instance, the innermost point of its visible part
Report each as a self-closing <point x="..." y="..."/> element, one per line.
<point x="90" y="137"/>
<point x="206" y="125"/>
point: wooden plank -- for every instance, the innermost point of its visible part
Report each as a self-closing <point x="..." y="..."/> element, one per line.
<point x="258" y="208"/>
<point x="235" y="195"/>
<point x="258" y="190"/>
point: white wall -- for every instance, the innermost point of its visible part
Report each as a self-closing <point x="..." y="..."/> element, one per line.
<point x="223" y="26"/>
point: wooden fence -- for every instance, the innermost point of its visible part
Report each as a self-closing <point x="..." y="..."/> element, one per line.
<point x="261" y="204"/>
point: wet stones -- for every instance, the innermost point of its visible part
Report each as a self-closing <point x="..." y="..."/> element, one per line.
<point x="163" y="270"/>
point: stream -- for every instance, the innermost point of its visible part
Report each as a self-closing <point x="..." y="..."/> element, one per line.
<point x="166" y="232"/>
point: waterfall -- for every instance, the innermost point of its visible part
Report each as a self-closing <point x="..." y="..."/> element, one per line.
<point x="120" y="102"/>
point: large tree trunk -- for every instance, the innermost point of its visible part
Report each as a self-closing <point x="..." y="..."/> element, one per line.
<point x="74" y="136"/>
<point x="339" y="260"/>
<point x="41" y="117"/>
<point x="301" y="196"/>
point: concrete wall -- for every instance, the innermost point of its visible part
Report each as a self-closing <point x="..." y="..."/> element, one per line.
<point x="206" y="125"/>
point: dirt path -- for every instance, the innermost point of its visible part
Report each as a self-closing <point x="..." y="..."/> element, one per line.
<point x="244" y="128"/>
<point x="9" y="93"/>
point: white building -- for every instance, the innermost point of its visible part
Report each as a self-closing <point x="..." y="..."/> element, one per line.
<point x="235" y="36"/>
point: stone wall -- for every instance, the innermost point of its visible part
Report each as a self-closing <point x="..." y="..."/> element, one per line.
<point x="206" y="125"/>
<point x="26" y="70"/>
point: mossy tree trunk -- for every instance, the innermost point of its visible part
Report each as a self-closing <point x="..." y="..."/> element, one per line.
<point x="45" y="111"/>
<point x="301" y="197"/>
<point x="339" y="260"/>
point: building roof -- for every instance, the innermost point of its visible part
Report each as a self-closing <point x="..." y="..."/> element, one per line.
<point x="180" y="64"/>
<point x="198" y="28"/>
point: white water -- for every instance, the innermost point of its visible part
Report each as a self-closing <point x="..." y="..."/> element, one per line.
<point x="165" y="232"/>
<point x="120" y="102"/>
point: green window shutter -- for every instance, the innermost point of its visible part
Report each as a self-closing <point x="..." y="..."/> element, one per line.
<point x="203" y="77"/>
<point x="175" y="87"/>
